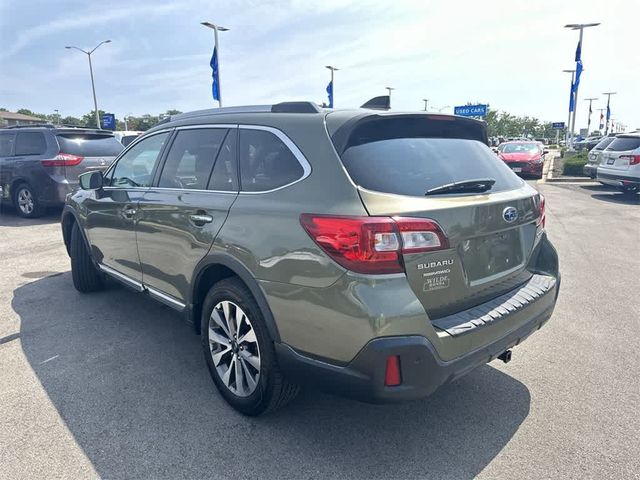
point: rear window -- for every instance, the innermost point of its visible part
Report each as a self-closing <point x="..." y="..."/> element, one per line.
<point x="383" y="161"/>
<point x="89" y="145"/>
<point x="622" y="144"/>
<point x="519" y="148"/>
<point x="604" y="143"/>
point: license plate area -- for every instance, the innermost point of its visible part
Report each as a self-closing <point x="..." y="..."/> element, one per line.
<point x="517" y="169"/>
<point x="489" y="255"/>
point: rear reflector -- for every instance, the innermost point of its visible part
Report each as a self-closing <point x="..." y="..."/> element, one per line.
<point x="392" y="377"/>
<point x="373" y="245"/>
<point x="62" y="160"/>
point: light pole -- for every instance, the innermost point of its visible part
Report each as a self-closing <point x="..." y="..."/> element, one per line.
<point x="333" y="69"/>
<point x="57" y="115"/>
<point x="93" y="87"/>
<point x="216" y="29"/>
<point x="569" y="127"/>
<point x="581" y="27"/>
<point x="425" y="100"/>
<point x="590" y="100"/>
<point x="390" y="89"/>
<point x="608" y="94"/>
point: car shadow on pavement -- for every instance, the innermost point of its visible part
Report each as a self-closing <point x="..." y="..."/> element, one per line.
<point x="618" y="197"/>
<point x="128" y="378"/>
<point x="9" y="217"/>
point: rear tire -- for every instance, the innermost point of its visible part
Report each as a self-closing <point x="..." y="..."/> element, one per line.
<point x="26" y="202"/>
<point x="259" y="390"/>
<point x="86" y="277"/>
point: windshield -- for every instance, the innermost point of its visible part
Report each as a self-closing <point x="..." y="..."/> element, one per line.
<point x="519" y="148"/>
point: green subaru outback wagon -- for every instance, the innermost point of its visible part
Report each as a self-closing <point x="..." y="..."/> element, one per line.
<point x="377" y="255"/>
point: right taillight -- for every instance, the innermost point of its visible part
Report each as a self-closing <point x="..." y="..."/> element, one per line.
<point x="62" y="160"/>
<point x="633" y="159"/>
<point x="373" y="245"/>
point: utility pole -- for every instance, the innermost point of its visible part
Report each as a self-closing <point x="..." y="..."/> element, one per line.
<point x="425" y="100"/>
<point x="93" y="86"/>
<point x="608" y="94"/>
<point x="581" y="27"/>
<point x="590" y="100"/>
<point x="568" y="130"/>
<point x="216" y="29"/>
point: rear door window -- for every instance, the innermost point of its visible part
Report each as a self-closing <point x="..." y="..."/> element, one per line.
<point x="191" y="158"/>
<point x="622" y="144"/>
<point x="604" y="143"/>
<point x="399" y="157"/>
<point x="89" y="145"/>
<point x="6" y="144"/>
<point x="225" y="171"/>
<point x="266" y="163"/>
<point x="30" y="143"/>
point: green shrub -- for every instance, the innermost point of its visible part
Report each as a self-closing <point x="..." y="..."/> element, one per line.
<point x="573" y="165"/>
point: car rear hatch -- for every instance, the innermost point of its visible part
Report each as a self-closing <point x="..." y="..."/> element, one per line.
<point x="400" y="164"/>
<point x="85" y="150"/>
<point x="622" y="153"/>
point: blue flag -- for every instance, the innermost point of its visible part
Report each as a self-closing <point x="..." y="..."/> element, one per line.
<point x="579" y="52"/>
<point x="330" y="93"/>
<point x="608" y="112"/>
<point x="215" y="88"/>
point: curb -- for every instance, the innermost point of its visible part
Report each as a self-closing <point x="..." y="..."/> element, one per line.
<point x="549" y="178"/>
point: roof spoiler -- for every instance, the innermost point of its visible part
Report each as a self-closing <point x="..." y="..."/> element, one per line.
<point x="378" y="103"/>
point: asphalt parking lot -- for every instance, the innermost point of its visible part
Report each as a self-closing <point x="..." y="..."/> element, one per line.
<point x="114" y="385"/>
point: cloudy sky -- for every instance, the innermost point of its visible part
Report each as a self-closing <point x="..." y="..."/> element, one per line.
<point x="509" y="54"/>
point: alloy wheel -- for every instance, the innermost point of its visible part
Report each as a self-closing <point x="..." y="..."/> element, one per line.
<point x="234" y="348"/>
<point x="25" y="201"/>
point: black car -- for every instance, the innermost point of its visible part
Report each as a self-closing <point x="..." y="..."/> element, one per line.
<point x="39" y="165"/>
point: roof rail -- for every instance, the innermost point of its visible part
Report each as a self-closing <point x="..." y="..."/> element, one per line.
<point x="284" y="107"/>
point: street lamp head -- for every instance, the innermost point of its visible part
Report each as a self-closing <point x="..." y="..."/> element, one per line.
<point x="214" y="27"/>
<point x="578" y="26"/>
<point x="569" y="71"/>
<point x="107" y="41"/>
<point x="331" y="68"/>
<point x="68" y="47"/>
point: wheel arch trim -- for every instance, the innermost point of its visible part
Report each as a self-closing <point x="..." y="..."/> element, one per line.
<point x="242" y="272"/>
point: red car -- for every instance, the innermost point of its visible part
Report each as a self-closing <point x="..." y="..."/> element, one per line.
<point x="524" y="158"/>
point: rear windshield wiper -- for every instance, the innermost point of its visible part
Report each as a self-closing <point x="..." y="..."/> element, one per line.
<point x="478" y="185"/>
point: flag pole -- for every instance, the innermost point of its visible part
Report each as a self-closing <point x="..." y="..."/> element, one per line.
<point x="216" y="49"/>
<point x="589" y="118"/>
<point x="575" y="98"/>
<point x="608" y="94"/>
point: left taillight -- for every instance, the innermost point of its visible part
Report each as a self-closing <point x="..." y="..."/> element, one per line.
<point x="62" y="160"/>
<point x="373" y="245"/>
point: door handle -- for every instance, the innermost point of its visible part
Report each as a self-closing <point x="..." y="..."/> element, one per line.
<point x="129" y="212"/>
<point x="200" y="218"/>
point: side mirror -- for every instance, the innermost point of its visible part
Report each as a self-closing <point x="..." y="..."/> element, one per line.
<point x="544" y="152"/>
<point x="91" y="180"/>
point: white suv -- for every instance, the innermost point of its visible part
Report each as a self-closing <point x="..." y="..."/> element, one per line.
<point x="620" y="163"/>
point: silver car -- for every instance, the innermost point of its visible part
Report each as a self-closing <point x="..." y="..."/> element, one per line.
<point x="620" y="164"/>
<point x="594" y="157"/>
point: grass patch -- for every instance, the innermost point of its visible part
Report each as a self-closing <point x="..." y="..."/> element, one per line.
<point x="573" y="165"/>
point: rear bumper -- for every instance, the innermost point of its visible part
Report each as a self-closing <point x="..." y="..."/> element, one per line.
<point x="611" y="177"/>
<point x="422" y="370"/>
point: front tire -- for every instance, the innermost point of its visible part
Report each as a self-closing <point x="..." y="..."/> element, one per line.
<point x="86" y="277"/>
<point x="239" y="351"/>
<point x="26" y="202"/>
